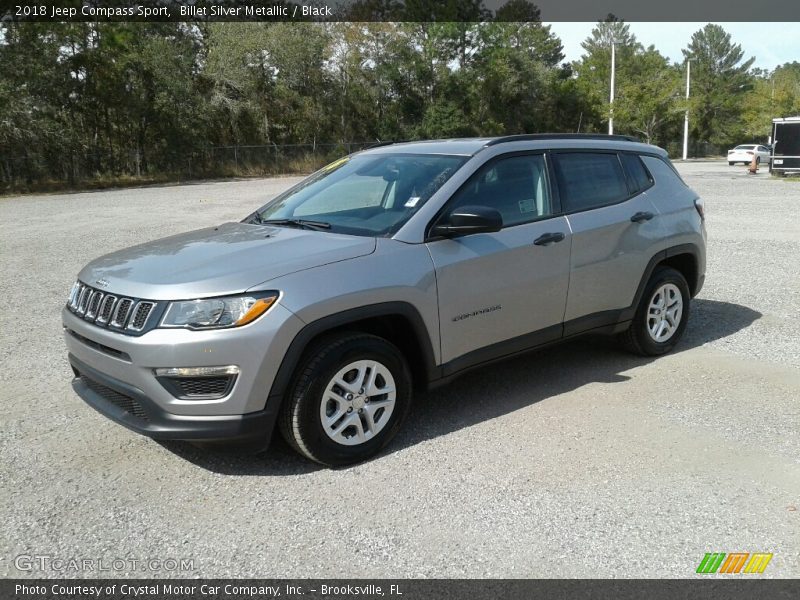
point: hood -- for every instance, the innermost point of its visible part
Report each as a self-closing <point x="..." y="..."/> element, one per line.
<point x="217" y="261"/>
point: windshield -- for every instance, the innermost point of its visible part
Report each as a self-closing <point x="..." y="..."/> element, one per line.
<point x="744" y="147"/>
<point x="370" y="195"/>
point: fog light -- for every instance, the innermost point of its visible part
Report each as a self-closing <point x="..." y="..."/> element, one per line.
<point x="197" y="371"/>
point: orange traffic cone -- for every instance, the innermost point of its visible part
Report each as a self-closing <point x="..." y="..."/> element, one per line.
<point x="753" y="168"/>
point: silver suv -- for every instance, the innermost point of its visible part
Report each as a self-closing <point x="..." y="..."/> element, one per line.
<point x="394" y="269"/>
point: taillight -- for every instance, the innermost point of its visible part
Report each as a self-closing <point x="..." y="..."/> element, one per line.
<point x="750" y="153"/>
<point x="701" y="207"/>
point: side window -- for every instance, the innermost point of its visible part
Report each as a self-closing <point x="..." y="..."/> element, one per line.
<point x="515" y="186"/>
<point x="636" y="172"/>
<point x="590" y="179"/>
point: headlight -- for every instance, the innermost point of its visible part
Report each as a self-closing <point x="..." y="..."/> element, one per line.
<point x="216" y="313"/>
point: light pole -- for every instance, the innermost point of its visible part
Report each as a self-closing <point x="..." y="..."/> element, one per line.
<point x="611" y="97"/>
<point x="686" y="115"/>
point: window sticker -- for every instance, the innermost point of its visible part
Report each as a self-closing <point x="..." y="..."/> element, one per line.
<point x="527" y="206"/>
<point x="335" y="164"/>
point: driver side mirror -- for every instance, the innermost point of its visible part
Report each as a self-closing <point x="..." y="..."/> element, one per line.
<point x="465" y="220"/>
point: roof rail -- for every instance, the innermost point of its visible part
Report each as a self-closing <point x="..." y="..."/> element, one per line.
<point x="378" y="144"/>
<point x="560" y="136"/>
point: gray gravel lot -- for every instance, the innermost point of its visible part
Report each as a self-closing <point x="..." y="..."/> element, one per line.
<point x="580" y="461"/>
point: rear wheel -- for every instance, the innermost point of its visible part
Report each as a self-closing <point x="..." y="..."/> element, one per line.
<point x="349" y="399"/>
<point x="661" y="316"/>
<point x="731" y="163"/>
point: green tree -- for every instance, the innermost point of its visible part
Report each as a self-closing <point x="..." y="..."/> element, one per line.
<point x="773" y="94"/>
<point x="647" y="102"/>
<point x="720" y="75"/>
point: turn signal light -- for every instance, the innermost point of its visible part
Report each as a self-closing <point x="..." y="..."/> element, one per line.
<point x="259" y="308"/>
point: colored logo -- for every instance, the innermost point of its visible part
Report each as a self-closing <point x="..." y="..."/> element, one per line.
<point x="735" y="562"/>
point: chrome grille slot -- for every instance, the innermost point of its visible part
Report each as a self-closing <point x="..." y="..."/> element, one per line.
<point x="122" y="312"/>
<point x="83" y="300"/>
<point x="140" y="315"/>
<point x="106" y="308"/>
<point x="94" y="304"/>
<point x="73" y="300"/>
<point x="75" y="293"/>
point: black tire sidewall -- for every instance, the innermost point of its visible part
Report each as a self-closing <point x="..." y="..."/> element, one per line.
<point x="308" y="393"/>
<point x="659" y="278"/>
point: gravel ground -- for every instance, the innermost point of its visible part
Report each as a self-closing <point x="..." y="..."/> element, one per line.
<point x="578" y="462"/>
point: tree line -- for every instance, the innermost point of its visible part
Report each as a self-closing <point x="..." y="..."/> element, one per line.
<point x="85" y="102"/>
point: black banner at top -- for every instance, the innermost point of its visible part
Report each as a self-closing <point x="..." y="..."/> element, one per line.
<point x="398" y="10"/>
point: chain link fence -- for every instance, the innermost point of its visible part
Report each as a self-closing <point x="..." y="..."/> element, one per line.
<point x="72" y="168"/>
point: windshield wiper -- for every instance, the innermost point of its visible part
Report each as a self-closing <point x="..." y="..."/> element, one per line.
<point x="302" y="223"/>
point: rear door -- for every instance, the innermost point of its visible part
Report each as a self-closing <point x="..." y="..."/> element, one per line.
<point x="615" y="232"/>
<point x="501" y="292"/>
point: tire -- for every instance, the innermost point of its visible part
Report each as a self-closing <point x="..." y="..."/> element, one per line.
<point x="758" y="160"/>
<point x="645" y="335"/>
<point x="350" y="359"/>
<point x="731" y="163"/>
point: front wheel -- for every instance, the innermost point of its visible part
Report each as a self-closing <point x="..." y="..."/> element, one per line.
<point x="661" y="316"/>
<point x="349" y="399"/>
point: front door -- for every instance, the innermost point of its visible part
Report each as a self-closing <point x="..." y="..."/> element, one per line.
<point x="501" y="292"/>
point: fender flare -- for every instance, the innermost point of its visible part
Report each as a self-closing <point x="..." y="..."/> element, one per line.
<point x="294" y="353"/>
<point x="692" y="249"/>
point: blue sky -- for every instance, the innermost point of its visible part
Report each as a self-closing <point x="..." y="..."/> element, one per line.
<point x="771" y="43"/>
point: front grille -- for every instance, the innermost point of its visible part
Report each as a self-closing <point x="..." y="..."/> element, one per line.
<point x="126" y="403"/>
<point x="197" y="388"/>
<point x="127" y="315"/>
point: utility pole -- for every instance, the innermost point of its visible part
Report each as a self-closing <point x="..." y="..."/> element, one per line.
<point x="686" y="115"/>
<point x="611" y="98"/>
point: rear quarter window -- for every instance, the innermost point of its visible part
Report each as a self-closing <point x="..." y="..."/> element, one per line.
<point x="637" y="172"/>
<point x="590" y="179"/>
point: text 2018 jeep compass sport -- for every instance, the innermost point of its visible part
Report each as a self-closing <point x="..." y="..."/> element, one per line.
<point x="392" y="269"/>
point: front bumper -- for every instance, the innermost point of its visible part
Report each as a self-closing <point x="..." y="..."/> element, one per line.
<point x="130" y="407"/>
<point x="116" y="375"/>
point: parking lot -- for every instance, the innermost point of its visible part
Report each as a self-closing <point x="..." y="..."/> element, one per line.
<point x="581" y="461"/>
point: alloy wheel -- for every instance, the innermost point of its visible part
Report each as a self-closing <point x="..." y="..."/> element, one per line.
<point x="664" y="312"/>
<point x="358" y="402"/>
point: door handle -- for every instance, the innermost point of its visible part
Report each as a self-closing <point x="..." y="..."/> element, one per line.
<point x="549" y="238"/>
<point x="641" y="217"/>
